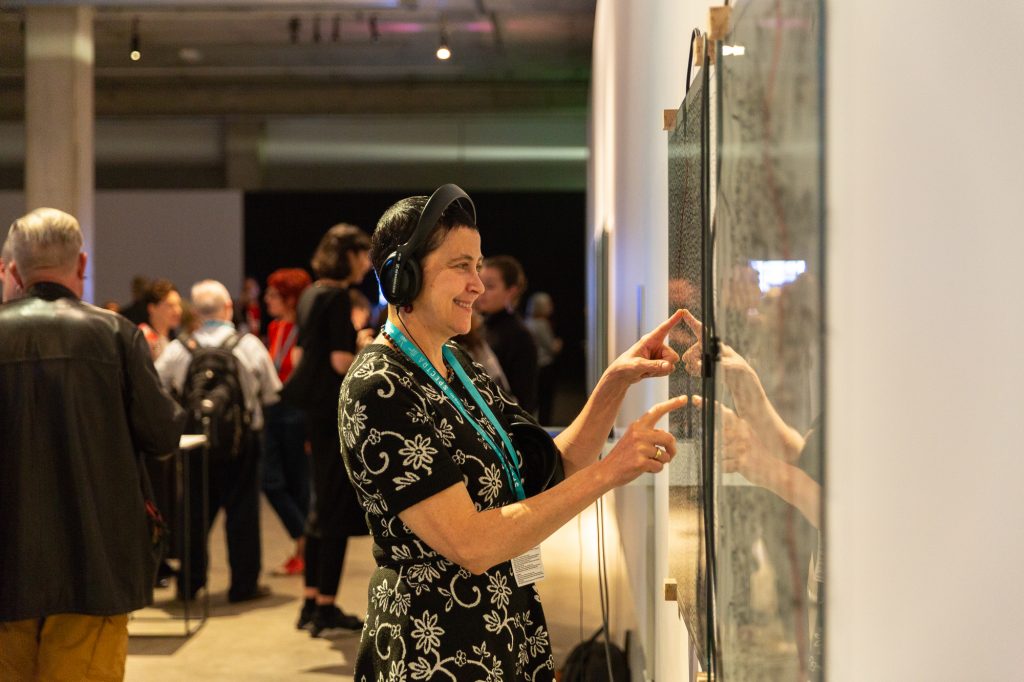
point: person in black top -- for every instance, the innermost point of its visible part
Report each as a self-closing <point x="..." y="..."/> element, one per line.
<point x="327" y="341"/>
<point x="79" y="404"/>
<point x="504" y="282"/>
<point x="425" y="441"/>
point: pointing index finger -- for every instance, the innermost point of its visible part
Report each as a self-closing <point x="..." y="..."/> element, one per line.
<point x="658" y="334"/>
<point x="651" y="417"/>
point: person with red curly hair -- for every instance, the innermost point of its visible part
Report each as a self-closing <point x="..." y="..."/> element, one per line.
<point x="285" y="465"/>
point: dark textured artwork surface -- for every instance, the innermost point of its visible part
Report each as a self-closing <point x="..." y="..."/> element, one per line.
<point x="768" y="264"/>
<point x="686" y="496"/>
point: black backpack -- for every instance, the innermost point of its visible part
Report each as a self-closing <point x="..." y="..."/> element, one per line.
<point x="588" y="661"/>
<point x="213" y="390"/>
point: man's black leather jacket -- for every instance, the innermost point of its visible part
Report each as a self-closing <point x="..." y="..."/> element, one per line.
<point x="79" y="402"/>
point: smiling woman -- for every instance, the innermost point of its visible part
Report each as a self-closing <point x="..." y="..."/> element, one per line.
<point x="426" y="440"/>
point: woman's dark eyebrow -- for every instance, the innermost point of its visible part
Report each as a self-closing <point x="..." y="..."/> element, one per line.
<point x="463" y="257"/>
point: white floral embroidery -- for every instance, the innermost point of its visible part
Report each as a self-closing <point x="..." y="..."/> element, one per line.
<point x="426" y="632"/>
<point x="406" y="479"/>
<point x="418" y="452"/>
<point x="445" y="432"/>
<point x="490" y="483"/>
<point x="499" y="589"/>
<point x="398" y="435"/>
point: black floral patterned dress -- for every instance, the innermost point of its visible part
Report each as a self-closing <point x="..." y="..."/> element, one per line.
<point x="430" y="619"/>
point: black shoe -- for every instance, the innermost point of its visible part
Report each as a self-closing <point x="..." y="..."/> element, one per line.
<point x="164" y="573"/>
<point x="258" y="592"/>
<point x="330" y="619"/>
<point x="306" y="615"/>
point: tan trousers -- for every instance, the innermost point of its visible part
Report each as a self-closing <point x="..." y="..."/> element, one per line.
<point x="65" y="647"/>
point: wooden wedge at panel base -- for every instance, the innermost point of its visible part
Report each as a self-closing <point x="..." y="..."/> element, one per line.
<point x="671" y="591"/>
<point x="668" y="119"/>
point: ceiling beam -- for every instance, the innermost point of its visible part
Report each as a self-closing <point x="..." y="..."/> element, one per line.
<point x="116" y="98"/>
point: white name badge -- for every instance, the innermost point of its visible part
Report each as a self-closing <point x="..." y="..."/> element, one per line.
<point x="528" y="567"/>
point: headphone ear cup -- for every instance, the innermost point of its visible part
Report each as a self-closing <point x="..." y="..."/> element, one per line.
<point x="387" y="278"/>
<point x="411" y="280"/>
<point x="400" y="279"/>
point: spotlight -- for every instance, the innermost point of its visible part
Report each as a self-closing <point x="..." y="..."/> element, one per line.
<point x="135" y="53"/>
<point x="316" y="29"/>
<point x="336" y="29"/>
<point x="374" y="31"/>
<point x="294" y="24"/>
<point x="443" y="51"/>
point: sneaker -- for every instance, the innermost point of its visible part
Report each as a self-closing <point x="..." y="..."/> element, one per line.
<point x="306" y="615"/>
<point x="329" y="619"/>
<point x="294" y="566"/>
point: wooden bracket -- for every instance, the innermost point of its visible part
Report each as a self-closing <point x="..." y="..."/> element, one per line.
<point x="671" y="592"/>
<point x="718" y="22"/>
<point x="668" y="119"/>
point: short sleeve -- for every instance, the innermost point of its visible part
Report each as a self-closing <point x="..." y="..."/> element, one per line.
<point x="396" y="451"/>
<point x="341" y="334"/>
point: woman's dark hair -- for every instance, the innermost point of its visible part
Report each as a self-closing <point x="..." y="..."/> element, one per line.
<point x="330" y="260"/>
<point x="397" y="224"/>
<point x="157" y="291"/>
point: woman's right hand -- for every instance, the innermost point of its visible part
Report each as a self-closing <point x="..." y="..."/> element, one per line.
<point x="642" y="448"/>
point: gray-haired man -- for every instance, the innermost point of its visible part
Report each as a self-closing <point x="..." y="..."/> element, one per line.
<point x="79" y="400"/>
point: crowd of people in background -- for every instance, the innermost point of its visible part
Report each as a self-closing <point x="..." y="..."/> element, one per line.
<point x="290" y="346"/>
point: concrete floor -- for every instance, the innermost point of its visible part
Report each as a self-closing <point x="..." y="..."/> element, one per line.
<point x="258" y="640"/>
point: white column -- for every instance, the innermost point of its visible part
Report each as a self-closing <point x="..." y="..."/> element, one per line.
<point x="59" y="170"/>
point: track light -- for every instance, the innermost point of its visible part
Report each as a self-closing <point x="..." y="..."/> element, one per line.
<point x="336" y="29"/>
<point x="294" y="25"/>
<point x="135" y="53"/>
<point x="316" y="29"/>
<point x="443" y="51"/>
<point x="374" y="31"/>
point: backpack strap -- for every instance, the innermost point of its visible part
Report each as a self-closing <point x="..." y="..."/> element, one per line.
<point x="229" y="343"/>
<point x="188" y="342"/>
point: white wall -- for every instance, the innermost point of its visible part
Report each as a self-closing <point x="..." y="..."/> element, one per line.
<point x="640" y="54"/>
<point x="925" y="452"/>
<point x="184" y="236"/>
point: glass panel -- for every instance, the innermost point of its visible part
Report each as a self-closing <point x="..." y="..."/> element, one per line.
<point x="687" y="561"/>
<point x="768" y="264"/>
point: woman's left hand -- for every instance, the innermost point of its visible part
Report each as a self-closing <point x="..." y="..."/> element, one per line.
<point x="648" y="357"/>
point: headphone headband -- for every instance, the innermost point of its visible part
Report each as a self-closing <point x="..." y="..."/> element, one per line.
<point x="443" y="197"/>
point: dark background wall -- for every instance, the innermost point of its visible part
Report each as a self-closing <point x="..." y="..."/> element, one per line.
<point x="544" y="230"/>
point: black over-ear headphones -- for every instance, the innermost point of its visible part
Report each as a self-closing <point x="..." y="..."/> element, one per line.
<point x="401" y="276"/>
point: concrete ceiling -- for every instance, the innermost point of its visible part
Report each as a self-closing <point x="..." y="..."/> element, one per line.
<point x="340" y="57"/>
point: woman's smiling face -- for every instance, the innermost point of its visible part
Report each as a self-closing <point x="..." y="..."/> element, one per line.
<point x="451" y="283"/>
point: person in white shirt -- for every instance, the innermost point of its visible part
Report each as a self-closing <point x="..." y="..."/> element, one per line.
<point x="233" y="481"/>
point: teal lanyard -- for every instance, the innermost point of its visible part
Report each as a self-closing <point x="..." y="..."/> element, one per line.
<point x="508" y="455"/>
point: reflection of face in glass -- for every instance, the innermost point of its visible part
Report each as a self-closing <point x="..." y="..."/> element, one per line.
<point x="741" y="291"/>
